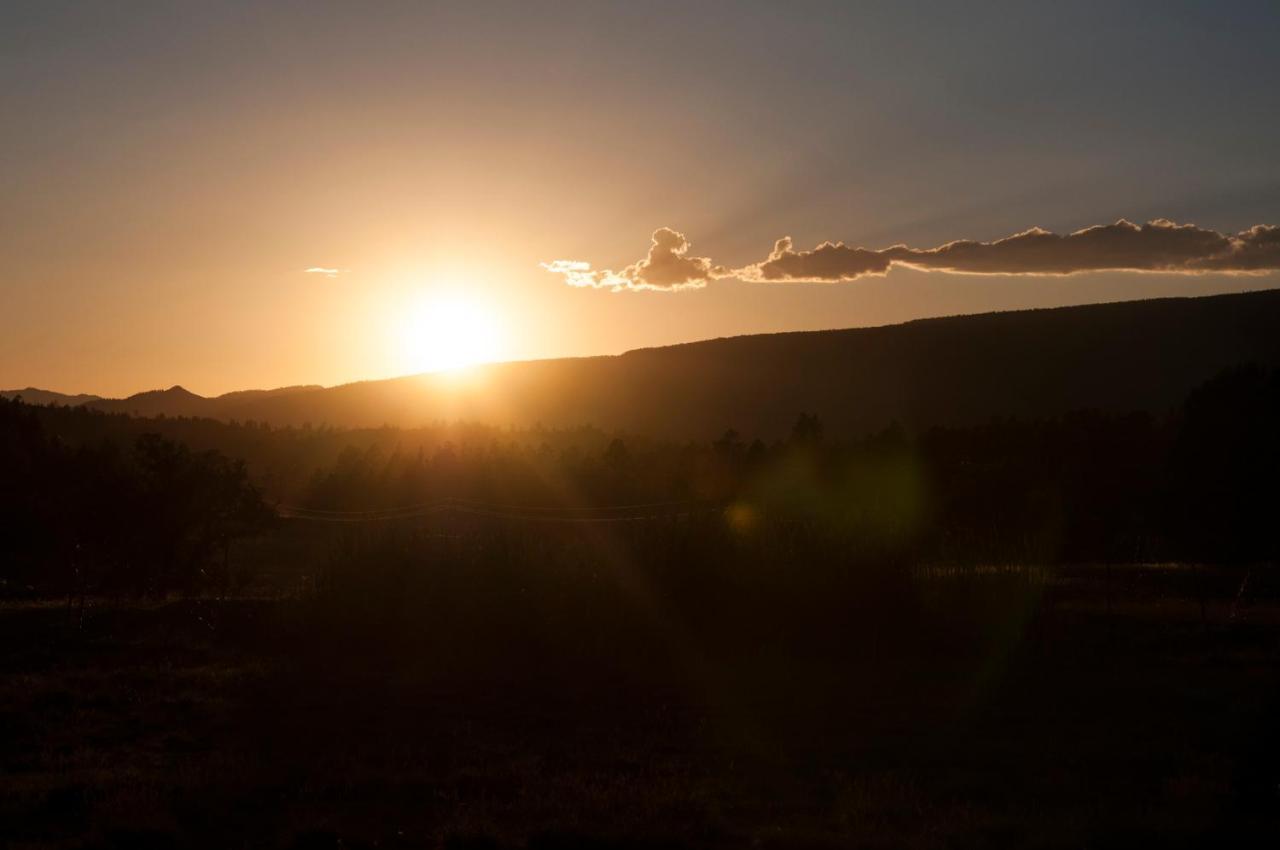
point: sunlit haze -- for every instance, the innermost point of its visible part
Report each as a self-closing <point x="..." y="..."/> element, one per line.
<point x="443" y="333"/>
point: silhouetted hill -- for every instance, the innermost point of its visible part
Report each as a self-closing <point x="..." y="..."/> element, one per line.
<point x="239" y="396"/>
<point x="179" y="401"/>
<point x="31" y="395"/>
<point x="175" y="401"/>
<point x="1134" y="355"/>
<point x="1140" y="355"/>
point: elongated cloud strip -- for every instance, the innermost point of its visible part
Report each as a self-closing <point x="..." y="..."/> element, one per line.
<point x="324" y="271"/>
<point x="666" y="268"/>
<point x="1157" y="246"/>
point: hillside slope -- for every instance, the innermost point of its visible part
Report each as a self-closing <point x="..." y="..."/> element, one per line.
<point x="1140" y="355"/>
<point x="1135" y="355"/>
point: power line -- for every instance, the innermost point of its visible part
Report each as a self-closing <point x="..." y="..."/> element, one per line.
<point x="498" y="510"/>
<point x="371" y="512"/>
<point x="565" y="509"/>
<point x="578" y="519"/>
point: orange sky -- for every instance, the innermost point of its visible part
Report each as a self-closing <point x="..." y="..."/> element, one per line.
<point x="168" y="175"/>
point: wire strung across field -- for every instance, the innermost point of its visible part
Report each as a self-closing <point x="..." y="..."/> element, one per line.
<point x="499" y="510"/>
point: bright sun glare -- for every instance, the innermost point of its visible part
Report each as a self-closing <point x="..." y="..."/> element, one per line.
<point x="444" y="333"/>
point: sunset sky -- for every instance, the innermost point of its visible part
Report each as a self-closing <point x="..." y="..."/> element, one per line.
<point x="264" y="194"/>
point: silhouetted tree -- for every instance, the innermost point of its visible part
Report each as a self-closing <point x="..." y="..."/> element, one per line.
<point x="807" y="430"/>
<point x="616" y="455"/>
<point x="1223" y="499"/>
<point x="155" y="519"/>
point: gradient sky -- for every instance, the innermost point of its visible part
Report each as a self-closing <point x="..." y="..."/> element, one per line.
<point x="168" y="171"/>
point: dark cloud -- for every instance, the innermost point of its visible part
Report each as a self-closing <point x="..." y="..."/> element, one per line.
<point x="1254" y="250"/>
<point x="667" y="267"/>
<point x="829" y="261"/>
<point x="1157" y="246"/>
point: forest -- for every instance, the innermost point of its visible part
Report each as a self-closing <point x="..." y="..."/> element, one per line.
<point x="153" y="505"/>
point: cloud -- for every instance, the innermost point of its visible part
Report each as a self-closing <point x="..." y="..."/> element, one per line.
<point x="667" y="268"/>
<point x="1160" y="245"/>
<point x="324" y="271"/>
<point x="1254" y="250"/>
<point x="829" y="261"/>
<point x="1157" y="246"/>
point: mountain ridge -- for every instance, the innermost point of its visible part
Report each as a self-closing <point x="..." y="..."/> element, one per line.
<point x="1132" y="355"/>
<point x="35" y="395"/>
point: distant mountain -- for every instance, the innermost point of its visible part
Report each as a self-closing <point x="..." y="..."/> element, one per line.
<point x="175" y="401"/>
<point x="1139" y="355"/>
<point x="31" y="395"/>
<point x="179" y="401"/>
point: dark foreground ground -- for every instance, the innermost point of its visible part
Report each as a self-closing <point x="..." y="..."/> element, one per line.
<point x="1094" y="712"/>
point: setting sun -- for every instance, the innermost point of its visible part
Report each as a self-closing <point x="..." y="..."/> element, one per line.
<point x="442" y="333"/>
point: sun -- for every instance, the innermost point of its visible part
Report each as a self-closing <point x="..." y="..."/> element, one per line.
<point x="444" y="332"/>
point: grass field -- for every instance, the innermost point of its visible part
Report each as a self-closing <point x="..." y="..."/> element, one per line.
<point x="1100" y="709"/>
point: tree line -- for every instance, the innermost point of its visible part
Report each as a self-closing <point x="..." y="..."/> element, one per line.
<point x="153" y="505"/>
<point x="1198" y="484"/>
